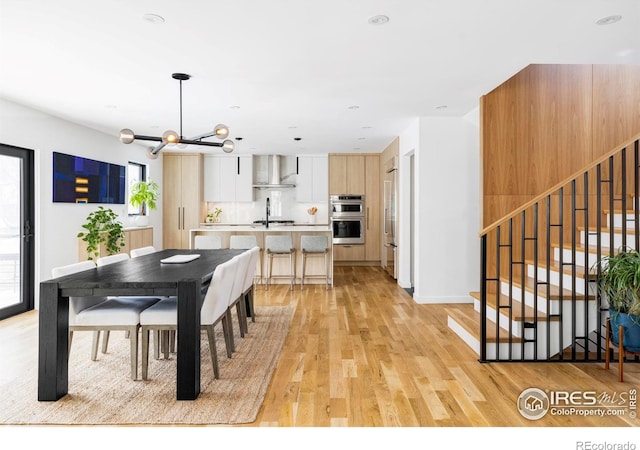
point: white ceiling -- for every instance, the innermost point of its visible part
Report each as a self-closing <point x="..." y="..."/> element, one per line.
<point x="293" y="67"/>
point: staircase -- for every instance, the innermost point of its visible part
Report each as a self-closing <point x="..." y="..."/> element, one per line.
<point x="537" y="300"/>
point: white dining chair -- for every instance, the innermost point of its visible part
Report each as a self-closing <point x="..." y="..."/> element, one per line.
<point x="236" y="298"/>
<point x="143" y="302"/>
<point x="78" y="304"/>
<point x="111" y="259"/>
<point x="142" y="251"/>
<point x="168" y="339"/>
<point x="207" y="242"/>
<point x="249" y="281"/>
<point x="164" y="315"/>
<point x="107" y="314"/>
<point x="247" y="241"/>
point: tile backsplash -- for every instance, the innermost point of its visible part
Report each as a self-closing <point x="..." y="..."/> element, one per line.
<point x="289" y="209"/>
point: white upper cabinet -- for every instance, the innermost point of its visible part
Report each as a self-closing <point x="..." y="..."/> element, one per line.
<point x="244" y="179"/>
<point x="313" y="179"/>
<point x="228" y="178"/>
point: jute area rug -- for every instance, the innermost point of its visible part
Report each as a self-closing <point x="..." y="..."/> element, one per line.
<point x="102" y="392"/>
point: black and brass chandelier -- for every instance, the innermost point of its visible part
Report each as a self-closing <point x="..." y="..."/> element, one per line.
<point x="220" y="131"/>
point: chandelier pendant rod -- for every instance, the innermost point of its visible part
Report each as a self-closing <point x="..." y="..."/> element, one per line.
<point x="181" y="135"/>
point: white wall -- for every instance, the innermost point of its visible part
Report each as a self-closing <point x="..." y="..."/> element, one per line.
<point x="409" y="144"/>
<point x="57" y="225"/>
<point x="447" y="209"/>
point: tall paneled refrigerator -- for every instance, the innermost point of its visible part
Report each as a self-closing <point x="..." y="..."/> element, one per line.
<point x="390" y="217"/>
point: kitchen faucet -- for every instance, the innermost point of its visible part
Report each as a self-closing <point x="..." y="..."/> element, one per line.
<point x="266" y="221"/>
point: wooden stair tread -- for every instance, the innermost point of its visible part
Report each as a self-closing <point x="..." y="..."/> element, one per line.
<point x="581" y="248"/>
<point x="516" y="308"/>
<point x="619" y="211"/>
<point x="630" y="229"/>
<point x="591" y="249"/>
<point x="469" y="319"/>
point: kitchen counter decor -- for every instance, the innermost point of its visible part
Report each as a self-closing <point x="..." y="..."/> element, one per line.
<point x="312" y="214"/>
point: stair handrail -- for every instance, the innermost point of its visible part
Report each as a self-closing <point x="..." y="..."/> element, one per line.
<point x="557" y="186"/>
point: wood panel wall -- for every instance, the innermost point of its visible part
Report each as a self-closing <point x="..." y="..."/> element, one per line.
<point x="546" y="123"/>
<point x="616" y="106"/>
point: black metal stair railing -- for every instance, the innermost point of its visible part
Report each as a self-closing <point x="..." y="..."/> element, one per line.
<point x="537" y="302"/>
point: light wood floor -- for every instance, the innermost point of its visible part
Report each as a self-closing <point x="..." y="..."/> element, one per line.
<point x="364" y="354"/>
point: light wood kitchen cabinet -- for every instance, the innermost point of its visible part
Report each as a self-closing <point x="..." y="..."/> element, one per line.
<point x="359" y="174"/>
<point x="346" y="174"/>
<point x="351" y="253"/>
<point x="312" y="184"/>
<point x="228" y="178"/>
<point x="182" y="197"/>
<point x="139" y="237"/>
<point x="133" y="238"/>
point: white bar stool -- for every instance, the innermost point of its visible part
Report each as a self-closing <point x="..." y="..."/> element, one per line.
<point x="314" y="246"/>
<point x="279" y="246"/>
<point x="207" y="242"/>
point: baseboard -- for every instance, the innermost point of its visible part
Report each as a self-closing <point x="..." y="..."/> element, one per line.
<point x="356" y="263"/>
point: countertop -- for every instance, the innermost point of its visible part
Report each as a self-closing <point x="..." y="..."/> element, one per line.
<point x="261" y="228"/>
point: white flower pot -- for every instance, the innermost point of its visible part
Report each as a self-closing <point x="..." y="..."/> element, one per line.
<point x="141" y="221"/>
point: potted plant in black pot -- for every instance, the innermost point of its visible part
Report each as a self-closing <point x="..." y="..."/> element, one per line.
<point x="144" y="194"/>
<point x="618" y="282"/>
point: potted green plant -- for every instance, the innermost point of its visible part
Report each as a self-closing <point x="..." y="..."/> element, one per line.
<point x="618" y="282"/>
<point x="214" y="216"/>
<point x="144" y="194"/>
<point x="103" y="228"/>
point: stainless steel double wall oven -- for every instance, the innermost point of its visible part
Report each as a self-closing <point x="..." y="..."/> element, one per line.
<point x="348" y="219"/>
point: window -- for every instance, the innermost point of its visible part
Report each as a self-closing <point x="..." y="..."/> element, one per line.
<point x="135" y="172"/>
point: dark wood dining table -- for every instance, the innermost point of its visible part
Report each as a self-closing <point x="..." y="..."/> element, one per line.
<point x="141" y="276"/>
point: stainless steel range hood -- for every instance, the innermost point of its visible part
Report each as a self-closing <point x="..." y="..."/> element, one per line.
<point x="275" y="176"/>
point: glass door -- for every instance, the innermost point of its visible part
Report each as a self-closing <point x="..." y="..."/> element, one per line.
<point x="16" y="230"/>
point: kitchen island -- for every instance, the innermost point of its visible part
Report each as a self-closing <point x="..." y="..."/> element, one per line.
<point x="315" y="265"/>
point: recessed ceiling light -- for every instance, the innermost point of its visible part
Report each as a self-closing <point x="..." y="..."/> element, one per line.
<point x="378" y="20"/>
<point x="609" y="20"/>
<point x="153" y="18"/>
<point x="361" y="138"/>
<point x="234" y="107"/>
<point x="442" y="107"/>
<point x="293" y="127"/>
<point x="111" y="106"/>
<point x="625" y="52"/>
<point x="353" y="107"/>
<point x="366" y="128"/>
